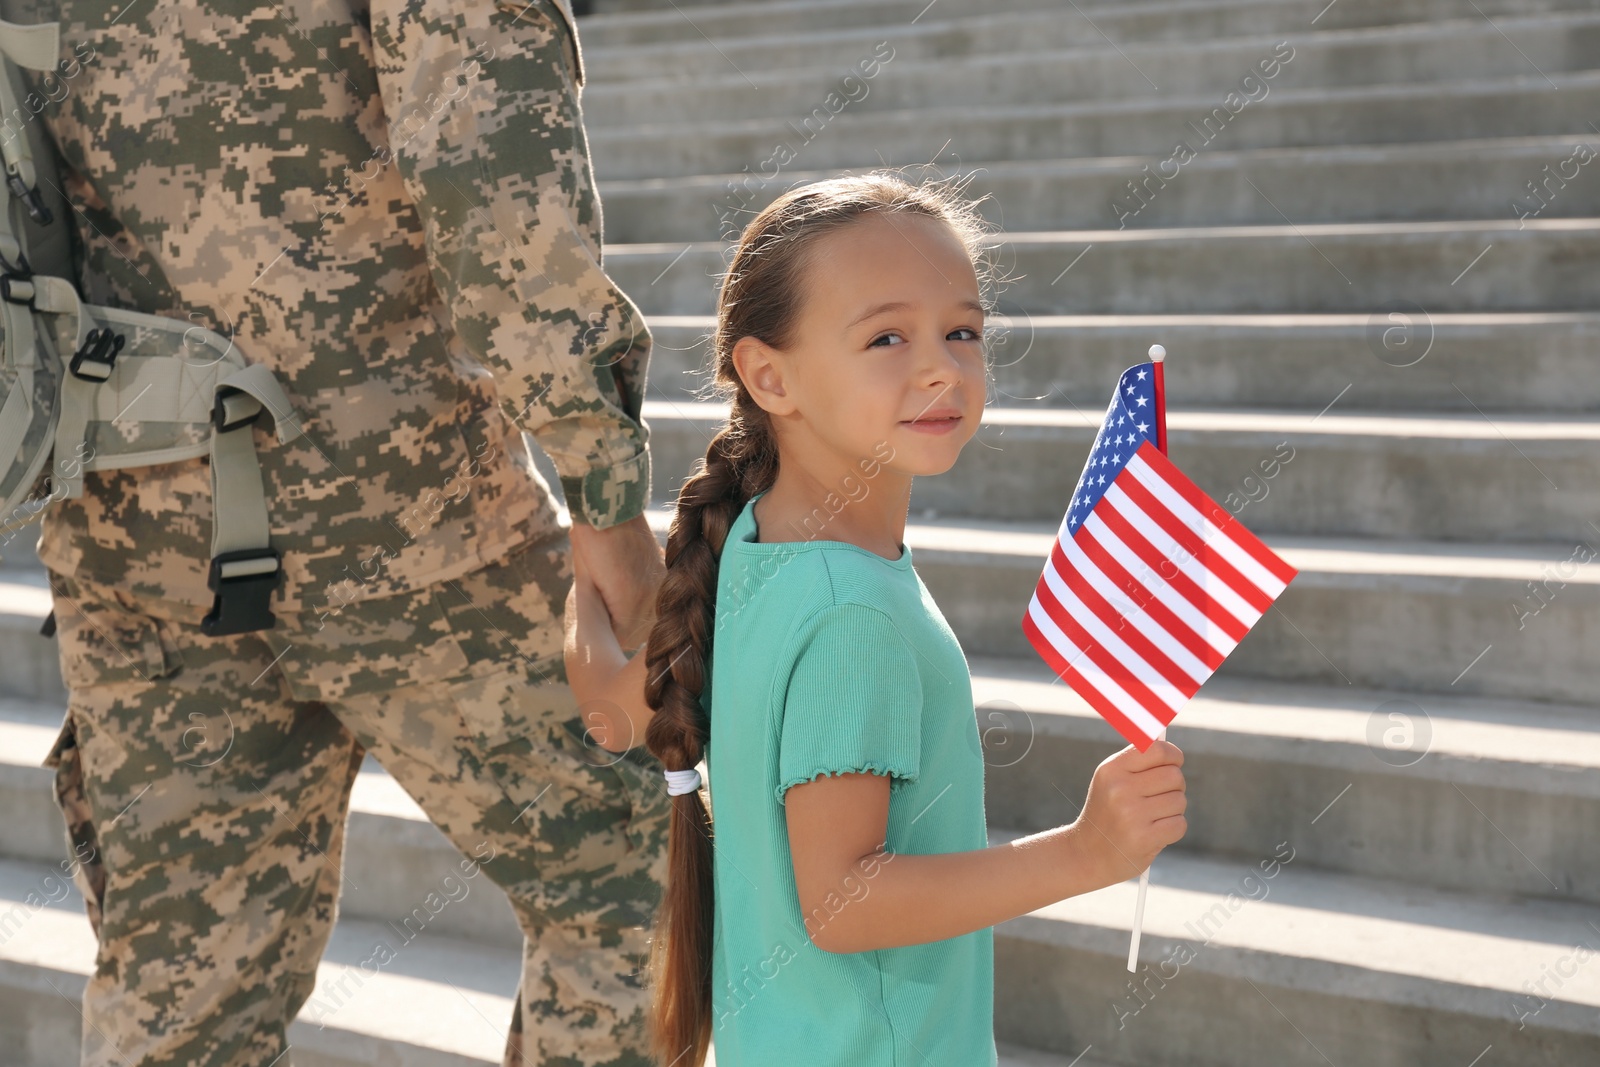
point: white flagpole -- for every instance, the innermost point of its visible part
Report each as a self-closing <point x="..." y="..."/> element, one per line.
<point x="1138" y="906"/>
<point x="1157" y="356"/>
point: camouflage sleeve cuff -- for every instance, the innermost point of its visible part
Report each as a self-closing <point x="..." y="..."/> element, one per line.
<point x="607" y="496"/>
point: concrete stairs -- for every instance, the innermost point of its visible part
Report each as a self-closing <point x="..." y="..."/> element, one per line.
<point x="442" y="1001"/>
<point x="1414" y="722"/>
<point x="1310" y="185"/>
<point x="1539" y="265"/>
<point x="1395" y="779"/>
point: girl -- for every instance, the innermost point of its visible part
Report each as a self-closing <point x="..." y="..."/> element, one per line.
<point x="853" y="884"/>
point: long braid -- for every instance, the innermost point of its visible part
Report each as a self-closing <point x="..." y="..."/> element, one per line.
<point x="737" y="467"/>
<point x="760" y="297"/>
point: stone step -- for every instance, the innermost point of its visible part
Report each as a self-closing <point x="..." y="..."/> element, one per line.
<point x="771" y="37"/>
<point x="1343" y="183"/>
<point x="1505" y="760"/>
<point x="624" y="22"/>
<point x="431" y="1001"/>
<point x="1497" y="797"/>
<point x="1497" y="620"/>
<point x="1520" y="106"/>
<point x="1336" y="473"/>
<point x="1403" y="362"/>
<point x="1422" y="52"/>
<point x="393" y="855"/>
<point x="1364" y="967"/>
<point x="1259" y="961"/>
<point x="30" y="664"/>
<point x="1481" y="795"/>
<point x="436" y="1004"/>
<point x="1465" y="265"/>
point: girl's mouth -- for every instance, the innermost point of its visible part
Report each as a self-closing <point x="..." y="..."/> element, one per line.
<point x="933" y="423"/>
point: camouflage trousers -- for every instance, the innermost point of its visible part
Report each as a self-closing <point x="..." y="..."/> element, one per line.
<point x="208" y="781"/>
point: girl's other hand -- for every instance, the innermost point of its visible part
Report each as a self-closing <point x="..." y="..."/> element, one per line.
<point x="1135" y="808"/>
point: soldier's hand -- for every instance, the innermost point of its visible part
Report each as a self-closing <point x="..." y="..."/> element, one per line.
<point x="627" y="565"/>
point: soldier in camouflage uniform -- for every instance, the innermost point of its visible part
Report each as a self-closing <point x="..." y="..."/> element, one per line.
<point x="391" y="205"/>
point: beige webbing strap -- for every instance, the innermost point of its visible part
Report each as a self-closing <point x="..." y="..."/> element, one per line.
<point x="244" y="563"/>
<point x="159" y="389"/>
<point x="18" y="321"/>
<point x="244" y="566"/>
<point x="26" y="46"/>
<point x="18" y="317"/>
<point x="238" y="498"/>
<point x="17" y="414"/>
<point x="74" y="400"/>
<point x="259" y="382"/>
<point x="35" y="47"/>
<point x="60" y="297"/>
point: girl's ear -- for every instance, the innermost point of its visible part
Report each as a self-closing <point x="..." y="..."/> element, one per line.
<point x="763" y="370"/>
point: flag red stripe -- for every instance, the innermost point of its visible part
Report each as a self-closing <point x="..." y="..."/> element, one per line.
<point x="1119" y="624"/>
<point x="1118" y="671"/>
<point x="1096" y="700"/>
<point x="1204" y="554"/>
<point x="1159" y="613"/>
<point x="1235" y="530"/>
<point x="1179" y="582"/>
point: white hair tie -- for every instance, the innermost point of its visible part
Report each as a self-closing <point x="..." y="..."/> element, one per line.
<point x="679" y="782"/>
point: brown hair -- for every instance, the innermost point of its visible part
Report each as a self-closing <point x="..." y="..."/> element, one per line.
<point x="760" y="297"/>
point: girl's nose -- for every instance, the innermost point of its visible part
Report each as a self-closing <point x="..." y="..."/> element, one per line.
<point x="944" y="365"/>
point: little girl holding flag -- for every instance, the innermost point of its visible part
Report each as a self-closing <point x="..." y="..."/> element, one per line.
<point x="838" y="910"/>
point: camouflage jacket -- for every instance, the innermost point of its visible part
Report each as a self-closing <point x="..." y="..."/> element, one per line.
<point x="391" y="205"/>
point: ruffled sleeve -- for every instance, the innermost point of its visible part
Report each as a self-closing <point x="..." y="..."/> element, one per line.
<point x="853" y="701"/>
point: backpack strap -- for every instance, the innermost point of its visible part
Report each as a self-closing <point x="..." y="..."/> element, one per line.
<point x="244" y="568"/>
<point x="35" y="47"/>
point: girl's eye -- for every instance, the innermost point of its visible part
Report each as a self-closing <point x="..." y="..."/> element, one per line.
<point x="967" y="329"/>
<point x="881" y="336"/>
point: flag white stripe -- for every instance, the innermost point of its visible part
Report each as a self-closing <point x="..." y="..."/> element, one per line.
<point x="1137" y="617"/>
<point x="1208" y="532"/>
<point x="1101" y="682"/>
<point x="1107" y="638"/>
<point x="1198" y="623"/>
<point x="1209" y="582"/>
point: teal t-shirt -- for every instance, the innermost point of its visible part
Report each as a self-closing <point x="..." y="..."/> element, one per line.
<point x="830" y="659"/>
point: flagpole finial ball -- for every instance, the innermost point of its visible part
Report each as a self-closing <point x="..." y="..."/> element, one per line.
<point x="1157" y="353"/>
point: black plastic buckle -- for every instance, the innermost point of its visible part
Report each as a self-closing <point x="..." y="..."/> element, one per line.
<point x="219" y="410"/>
<point x="243" y="599"/>
<point x="31" y="199"/>
<point x="96" y="359"/>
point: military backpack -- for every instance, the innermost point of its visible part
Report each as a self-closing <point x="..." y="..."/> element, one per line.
<point x="90" y="388"/>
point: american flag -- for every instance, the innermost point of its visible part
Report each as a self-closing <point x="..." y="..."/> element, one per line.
<point x="1150" y="583"/>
